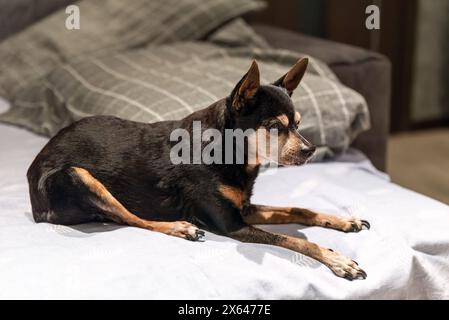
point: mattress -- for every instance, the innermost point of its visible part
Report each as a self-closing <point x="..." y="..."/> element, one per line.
<point x="406" y="252"/>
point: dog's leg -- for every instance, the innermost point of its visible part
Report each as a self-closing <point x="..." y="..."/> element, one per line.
<point x="340" y="265"/>
<point x="257" y="214"/>
<point x="115" y="211"/>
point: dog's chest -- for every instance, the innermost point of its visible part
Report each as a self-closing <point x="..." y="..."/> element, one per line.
<point x="240" y="194"/>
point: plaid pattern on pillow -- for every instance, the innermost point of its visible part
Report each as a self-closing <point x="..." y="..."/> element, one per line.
<point x="237" y="33"/>
<point x="109" y="26"/>
<point x="171" y="81"/>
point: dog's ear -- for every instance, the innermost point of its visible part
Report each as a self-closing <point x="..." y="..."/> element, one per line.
<point x="246" y="88"/>
<point x="291" y="79"/>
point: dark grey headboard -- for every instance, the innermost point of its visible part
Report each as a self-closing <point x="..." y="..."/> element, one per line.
<point x="15" y="15"/>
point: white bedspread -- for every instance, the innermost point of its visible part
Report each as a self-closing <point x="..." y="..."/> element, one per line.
<point x="406" y="253"/>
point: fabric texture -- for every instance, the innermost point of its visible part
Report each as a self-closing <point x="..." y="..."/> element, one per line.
<point x="406" y="252"/>
<point x="171" y="81"/>
<point x="109" y="26"/>
<point x="237" y="33"/>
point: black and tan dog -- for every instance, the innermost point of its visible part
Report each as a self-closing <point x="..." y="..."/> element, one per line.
<point x="108" y="169"/>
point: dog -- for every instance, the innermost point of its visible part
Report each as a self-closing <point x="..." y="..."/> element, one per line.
<point x="107" y="169"/>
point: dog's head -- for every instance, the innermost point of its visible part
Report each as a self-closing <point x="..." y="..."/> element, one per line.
<point x="267" y="107"/>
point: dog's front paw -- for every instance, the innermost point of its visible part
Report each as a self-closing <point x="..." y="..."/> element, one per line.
<point x="344" y="267"/>
<point x="354" y="225"/>
<point x="186" y="230"/>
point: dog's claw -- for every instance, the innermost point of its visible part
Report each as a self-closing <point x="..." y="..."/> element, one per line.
<point x="348" y="276"/>
<point x="363" y="274"/>
<point x="354" y="225"/>
<point x="359" y="275"/>
<point x="186" y="230"/>
<point x="366" y="224"/>
<point x="200" y="236"/>
<point x="344" y="267"/>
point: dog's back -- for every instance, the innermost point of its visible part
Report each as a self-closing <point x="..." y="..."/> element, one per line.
<point x="115" y="151"/>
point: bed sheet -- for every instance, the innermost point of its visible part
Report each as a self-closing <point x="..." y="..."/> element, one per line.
<point x="406" y="252"/>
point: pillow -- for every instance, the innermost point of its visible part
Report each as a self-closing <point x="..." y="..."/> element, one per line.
<point x="109" y="26"/>
<point x="171" y="81"/>
<point x="237" y="33"/>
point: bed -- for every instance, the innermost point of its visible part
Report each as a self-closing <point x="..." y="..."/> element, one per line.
<point x="406" y="252"/>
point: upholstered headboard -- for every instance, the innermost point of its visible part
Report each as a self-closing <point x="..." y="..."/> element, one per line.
<point x="17" y="14"/>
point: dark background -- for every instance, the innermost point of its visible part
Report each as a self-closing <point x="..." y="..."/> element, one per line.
<point x="405" y="27"/>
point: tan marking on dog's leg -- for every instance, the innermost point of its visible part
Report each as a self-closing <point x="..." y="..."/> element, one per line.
<point x="258" y="214"/>
<point x="342" y="266"/>
<point x="114" y="210"/>
<point x="233" y="194"/>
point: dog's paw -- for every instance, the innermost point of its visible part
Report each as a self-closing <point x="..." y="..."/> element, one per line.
<point x="354" y="225"/>
<point x="344" y="267"/>
<point x="186" y="230"/>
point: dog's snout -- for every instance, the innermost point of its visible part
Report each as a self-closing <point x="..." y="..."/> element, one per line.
<point x="308" y="151"/>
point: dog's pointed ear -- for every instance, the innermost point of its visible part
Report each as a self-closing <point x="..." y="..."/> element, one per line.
<point x="246" y="88"/>
<point x="291" y="79"/>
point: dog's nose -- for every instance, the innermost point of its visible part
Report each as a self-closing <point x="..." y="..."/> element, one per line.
<point x="309" y="151"/>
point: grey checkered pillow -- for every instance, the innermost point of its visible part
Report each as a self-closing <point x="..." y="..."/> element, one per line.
<point x="171" y="81"/>
<point x="109" y="26"/>
<point x="237" y="33"/>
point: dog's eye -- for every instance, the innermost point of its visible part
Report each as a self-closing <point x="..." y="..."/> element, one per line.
<point x="277" y="125"/>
